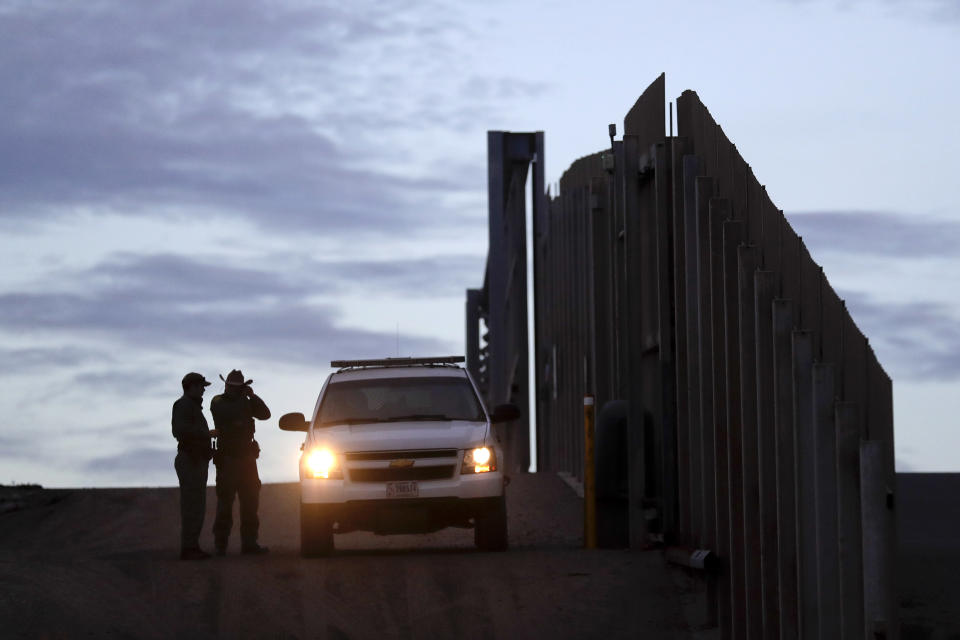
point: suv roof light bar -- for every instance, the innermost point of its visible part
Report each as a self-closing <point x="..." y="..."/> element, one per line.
<point x="397" y="362"/>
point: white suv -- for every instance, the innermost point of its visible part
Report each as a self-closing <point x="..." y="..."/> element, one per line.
<point x="401" y="445"/>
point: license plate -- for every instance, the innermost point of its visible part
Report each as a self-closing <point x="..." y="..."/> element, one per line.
<point x="402" y="489"/>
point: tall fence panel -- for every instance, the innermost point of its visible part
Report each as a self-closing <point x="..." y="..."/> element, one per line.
<point x="796" y="576"/>
<point x="759" y="423"/>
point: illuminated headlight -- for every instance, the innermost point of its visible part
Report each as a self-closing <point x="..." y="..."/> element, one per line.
<point x="322" y="463"/>
<point x="479" y="460"/>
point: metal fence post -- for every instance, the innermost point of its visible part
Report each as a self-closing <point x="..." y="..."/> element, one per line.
<point x="735" y="562"/>
<point x="749" y="256"/>
<point x="694" y="480"/>
<point x="828" y="555"/>
<point x="806" y="482"/>
<point x="873" y="487"/>
<point x="783" y="325"/>
<point x="765" y="285"/>
<point x="719" y="214"/>
<point x="848" y="512"/>
<point x="708" y="444"/>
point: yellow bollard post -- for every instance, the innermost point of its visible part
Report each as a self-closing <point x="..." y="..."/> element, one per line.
<point x="589" y="476"/>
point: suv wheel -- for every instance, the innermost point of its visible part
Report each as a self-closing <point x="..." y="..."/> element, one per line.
<point x="316" y="531"/>
<point x="490" y="526"/>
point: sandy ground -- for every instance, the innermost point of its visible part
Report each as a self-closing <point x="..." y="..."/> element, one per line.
<point x="89" y="563"/>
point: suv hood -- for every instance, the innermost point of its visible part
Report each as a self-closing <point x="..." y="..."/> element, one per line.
<point x="399" y="436"/>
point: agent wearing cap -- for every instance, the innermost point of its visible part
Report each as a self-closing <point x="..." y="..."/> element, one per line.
<point x="236" y="461"/>
<point x="193" y="458"/>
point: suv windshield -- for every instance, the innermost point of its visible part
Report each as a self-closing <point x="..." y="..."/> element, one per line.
<point x="396" y="399"/>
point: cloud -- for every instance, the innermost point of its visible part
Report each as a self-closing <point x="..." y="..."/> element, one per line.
<point x="295" y="332"/>
<point x="421" y="277"/>
<point x="936" y="11"/>
<point x="140" y="460"/>
<point x="916" y="340"/>
<point x="895" y="235"/>
<point x="275" y="172"/>
<point x="175" y="303"/>
<point x="26" y="360"/>
<point x="136" y="427"/>
<point x="943" y="12"/>
<point x="203" y="281"/>
<point x="169" y="277"/>
<point x="13" y="447"/>
<point x="295" y="117"/>
<point x="318" y="123"/>
<point x="123" y="382"/>
<point x="503" y="89"/>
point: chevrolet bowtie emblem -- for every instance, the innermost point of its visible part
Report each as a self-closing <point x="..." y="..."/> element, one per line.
<point x="401" y="464"/>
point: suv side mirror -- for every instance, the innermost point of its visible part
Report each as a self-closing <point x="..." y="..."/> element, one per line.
<point x="505" y="413"/>
<point x="294" y="422"/>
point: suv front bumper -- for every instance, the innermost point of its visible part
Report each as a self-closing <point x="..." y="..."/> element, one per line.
<point x="408" y="515"/>
<point x="464" y="487"/>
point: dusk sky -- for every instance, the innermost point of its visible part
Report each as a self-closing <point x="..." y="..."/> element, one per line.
<point x="268" y="186"/>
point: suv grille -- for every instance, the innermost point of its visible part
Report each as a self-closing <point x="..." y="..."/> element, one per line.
<point x="395" y="455"/>
<point x="409" y="473"/>
<point x="427" y="464"/>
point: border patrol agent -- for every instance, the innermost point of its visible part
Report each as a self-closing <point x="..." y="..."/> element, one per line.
<point x="192" y="461"/>
<point x="236" y="460"/>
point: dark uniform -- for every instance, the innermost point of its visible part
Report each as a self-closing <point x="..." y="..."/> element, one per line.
<point x="236" y="462"/>
<point x="193" y="457"/>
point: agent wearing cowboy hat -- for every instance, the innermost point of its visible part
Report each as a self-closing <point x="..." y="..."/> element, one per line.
<point x="192" y="461"/>
<point x="236" y="461"/>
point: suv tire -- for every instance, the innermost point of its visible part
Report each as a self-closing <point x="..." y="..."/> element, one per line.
<point x="316" y="531"/>
<point x="490" y="526"/>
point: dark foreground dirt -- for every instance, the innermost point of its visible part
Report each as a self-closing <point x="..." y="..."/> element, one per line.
<point x="93" y="563"/>
<point x="928" y="519"/>
<point x="103" y="562"/>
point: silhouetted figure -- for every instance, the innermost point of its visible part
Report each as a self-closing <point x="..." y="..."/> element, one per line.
<point x="192" y="461"/>
<point x="236" y="461"/>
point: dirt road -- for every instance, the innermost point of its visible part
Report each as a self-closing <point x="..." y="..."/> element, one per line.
<point x="89" y="563"/>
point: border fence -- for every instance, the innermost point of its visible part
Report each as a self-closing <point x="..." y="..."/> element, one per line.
<point x="500" y="308"/>
<point x="742" y="411"/>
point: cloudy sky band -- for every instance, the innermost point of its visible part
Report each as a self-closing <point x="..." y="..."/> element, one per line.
<point x="275" y="185"/>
